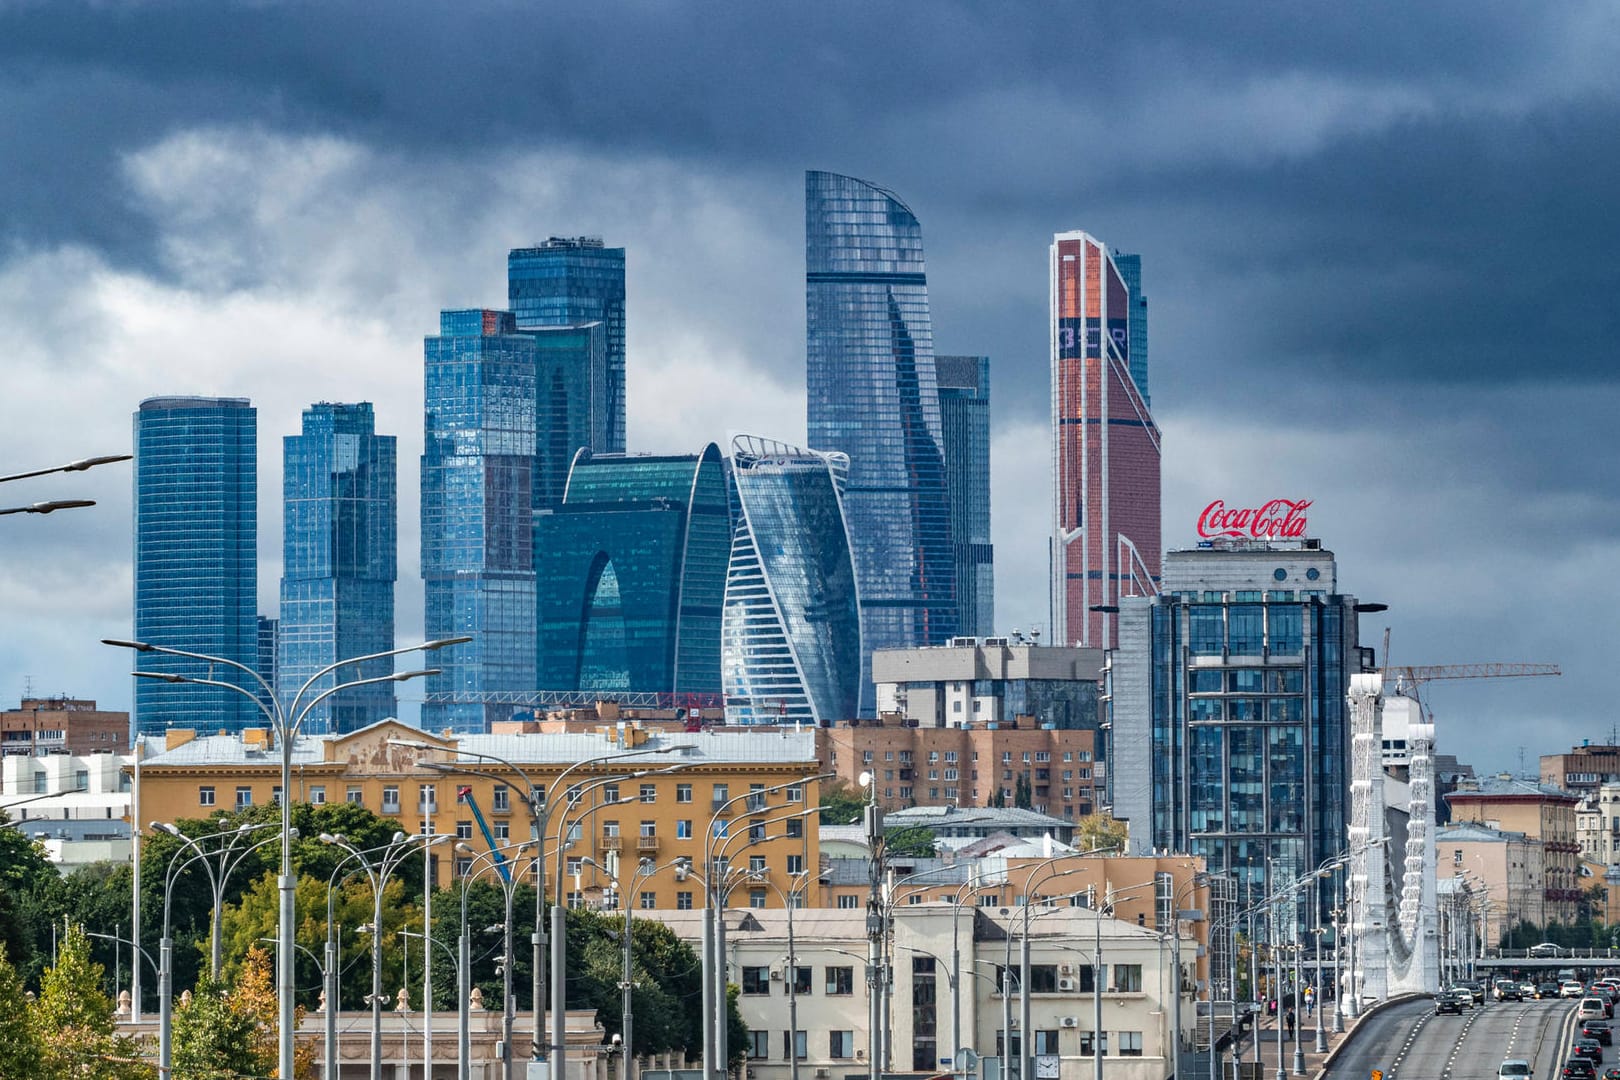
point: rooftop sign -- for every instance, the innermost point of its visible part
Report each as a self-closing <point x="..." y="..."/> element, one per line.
<point x="1279" y="519"/>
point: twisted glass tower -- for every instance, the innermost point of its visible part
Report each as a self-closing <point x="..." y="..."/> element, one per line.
<point x="873" y="397"/>
<point x="196" y="556"/>
<point x="477" y="516"/>
<point x="964" y="406"/>
<point x="339" y="531"/>
<point x="791" y="635"/>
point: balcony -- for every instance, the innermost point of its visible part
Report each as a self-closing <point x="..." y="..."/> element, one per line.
<point x="647" y="843"/>
<point x="613" y="843"/>
<point x="390" y="807"/>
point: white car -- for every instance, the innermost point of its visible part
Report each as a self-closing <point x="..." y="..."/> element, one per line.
<point x="1514" y="1068"/>
<point x="1570" y="989"/>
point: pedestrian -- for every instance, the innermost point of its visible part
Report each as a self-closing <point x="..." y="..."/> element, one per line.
<point x="1288" y="1023"/>
<point x="1310" y="1001"/>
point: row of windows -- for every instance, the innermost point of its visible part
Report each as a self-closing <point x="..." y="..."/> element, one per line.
<point x="501" y="798"/>
<point x="867" y="756"/>
<point x="841" y="1044"/>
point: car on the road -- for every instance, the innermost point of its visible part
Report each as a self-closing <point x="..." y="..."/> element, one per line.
<point x="1507" y="990"/>
<point x="1513" y="1069"/>
<point x="1452" y="1001"/>
<point x="1547" y="948"/>
<point x="1590" y="1048"/>
<point x="1599" y="1030"/>
<point x="1592" y="1008"/>
<point x="1612" y="1073"/>
<point x="1464" y="995"/>
<point x="1579" y="1068"/>
<point x="1569" y="988"/>
<point x="1546" y="990"/>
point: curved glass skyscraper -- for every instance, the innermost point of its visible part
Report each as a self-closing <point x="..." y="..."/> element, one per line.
<point x="791" y="636"/>
<point x="873" y="396"/>
<point x="196" y="556"/>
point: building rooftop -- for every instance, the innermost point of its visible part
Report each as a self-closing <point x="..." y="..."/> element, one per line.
<point x="1500" y="787"/>
<point x="1472" y="832"/>
<point x="974" y="817"/>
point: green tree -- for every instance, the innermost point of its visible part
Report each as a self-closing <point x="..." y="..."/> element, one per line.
<point x="841" y="804"/>
<point x="915" y="841"/>
<point x="1095" y="831"/>
<point x="19" y="1046"/>
<point x="255" y="998"/>
<point x="73" y="1019"/>
<point x="26" y="877"/>
<point x="1022" y="792"/>
<point x="216" y="1040"/>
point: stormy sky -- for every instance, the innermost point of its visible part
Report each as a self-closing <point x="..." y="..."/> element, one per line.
<point x="1378" y="242"/>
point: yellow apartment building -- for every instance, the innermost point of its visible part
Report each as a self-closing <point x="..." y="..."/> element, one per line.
<point x="1540" y="812"/>
<point x="743" y="799"/>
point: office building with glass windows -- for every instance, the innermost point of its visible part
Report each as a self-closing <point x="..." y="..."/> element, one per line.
<point x="791" y="634"/>
<point x="1130" y="269"/>
<point x="964" y="412"/>
<point x="339" y="540"/>
<point x="1105" y="539"/>
<point x="566" y="281"/>
<point x="571" y="398"/>
<point x="196" y="557"/>
<point x="632" y="574"/>
<point x="1230" y="722"/>
<point x="873" y="396"/>
<point x="477" y="517"/>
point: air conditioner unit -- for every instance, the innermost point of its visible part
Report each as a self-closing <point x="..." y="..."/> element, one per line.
<point x="1066" y="969"/>
<point x="823" y="1071"/>
<point x="776" y="974"/>
<point x="1069" y="1022"/>
<point x="1066" y="985"/>
<point x="860" y="1055"/>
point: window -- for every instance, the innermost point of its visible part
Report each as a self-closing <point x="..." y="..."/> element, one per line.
<point x="683" y="829"/>
<point x="244" y="797"/>
<point x="390" y="799"/>
<point x="1127" y="979"/>
<point x="426" y="798"/>
<point x="683" y="792"/>
<point x="756" y="864"/>
<point x="950" y="756"/>
<point x="355" y="796"/>
<point x="759" y="1044"/>
<point x="683" y="901"/>
<point x="1088" y="1039"/>
<point x="1130" y="1043"/>
<point x="950" y="774"/>
<point x="866" y="757"/>
<point x="1046" y="1041"/>
<point x="795" y="793"/>
<point x="802" y="977"/>
<point x="649" y="901"/>
<point x="317" y="795"/>
<point x="756" y="980"/>
<point x="840" y="1044"/>
<point x="575" y="865"/>
<point x="275" y="795"/>
<point x="649" y="792"/>
<point x="847" y="902"/>
<point x="795" y="864"/>
<point x="905" y="757"/>
<point x="610" y="828"/>
<point x="648" y="828"/>
<point x="756" y="831"/>
<point x="756" y="798"/>
<point x="610" y="793"/>
<point x="794" y="1044"/>
<point x="888" y="755"/>
<point x="503" y="830"/>
<point x="722" y="793"/>
<point x="575" y="901"/>
<point x="1043" y="978"/>
<point x="1040" y="756"/>
<point x="463" y="867"/>
<point x="537" y="795"/>
<point x="463" y="830"/>
<point x="756" y="898"/>
<point x="501" y="799"/>
<point x="795" y="828"/>
<point x="205" y="795"/>
<point x="905" y="792"/>
<point x="840" y="980"/>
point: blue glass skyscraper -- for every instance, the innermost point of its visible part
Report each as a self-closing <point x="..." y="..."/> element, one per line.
<point x="571" y="280"/>
<point x="964" y="411"/>
<point x="196" y="556"/>
<point x="339" y="539"/>
<point x="571" y="388"/>
<point x="477" y="516"/>
<point x="632" y="574"/>
<point x="791" y="637"/>
<point x="873" y="396"/>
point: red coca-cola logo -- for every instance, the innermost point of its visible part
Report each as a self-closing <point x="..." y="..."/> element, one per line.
<point x="1279" y="519"/>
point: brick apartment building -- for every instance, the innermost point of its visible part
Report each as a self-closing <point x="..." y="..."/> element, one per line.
<point x="62" y="725"/>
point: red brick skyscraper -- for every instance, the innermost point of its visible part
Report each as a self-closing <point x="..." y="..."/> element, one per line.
<point x="1105" y="449"/>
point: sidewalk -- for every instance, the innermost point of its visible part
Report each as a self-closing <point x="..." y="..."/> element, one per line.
<point x="1267" y="1035"/>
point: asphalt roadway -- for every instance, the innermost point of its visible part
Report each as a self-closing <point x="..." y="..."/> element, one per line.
<point x="1410" y="1042"/>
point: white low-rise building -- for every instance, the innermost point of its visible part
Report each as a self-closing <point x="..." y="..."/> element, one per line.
<point x="928" y="1020"/>
<point x="78" y="807"/>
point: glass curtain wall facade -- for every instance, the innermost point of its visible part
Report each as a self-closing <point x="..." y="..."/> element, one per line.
<point x="571" y="384"/>
<point x="1130" y="269"/>
<point x="1105" y="449"/>
<point x="791" y="637"/>
<point x="196" y="557"/>
<point x="339" y="543"/>
<point x="269" y="647"/>
<point x="477" y="516"/>
<point x="1240" y="692"/>
<point x="873" y="396"/>
<point x="566" y="281"/>
<point x="964" y="409"/>
<point x="632" y="574"/>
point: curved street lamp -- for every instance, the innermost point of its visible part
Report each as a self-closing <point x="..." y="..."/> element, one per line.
<point x="286" y="718"/>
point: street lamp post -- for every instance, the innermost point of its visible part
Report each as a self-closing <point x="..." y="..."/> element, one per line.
<point x="217" y="879"/>
<point x="287" y="719"/>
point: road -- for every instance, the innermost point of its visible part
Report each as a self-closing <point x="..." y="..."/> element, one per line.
<point x="1409" y="1042"/>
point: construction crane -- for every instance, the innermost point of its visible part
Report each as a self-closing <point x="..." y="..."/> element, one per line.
<point x="1398" y="679"/>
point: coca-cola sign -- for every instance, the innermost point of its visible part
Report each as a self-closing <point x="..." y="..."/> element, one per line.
<point x="1279" y="519"/>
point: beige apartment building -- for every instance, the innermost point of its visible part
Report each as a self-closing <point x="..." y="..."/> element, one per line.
<point x="744" y="799"/>
<point x="1506" y="867"/>
<point x="1541" y="813"/>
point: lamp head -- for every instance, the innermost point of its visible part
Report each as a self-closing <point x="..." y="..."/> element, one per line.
<point x="398" y="838"/>
<point x="434" y="646"/>
<point x="166" y="828"/>
<point x="138" y="646"/>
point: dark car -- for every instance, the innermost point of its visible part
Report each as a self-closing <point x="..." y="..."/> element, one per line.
<point x="1506" y="990"/>
<point x="1590" y="1048"/>
<point x="1449" y="1001"/>
<point x="1599" y="1030"/>
<point x="1476" y="988"/>
<point x="1612" y="1073"/>
<point x="1546" y="990"/>
<point x="1579" y="1068"/>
